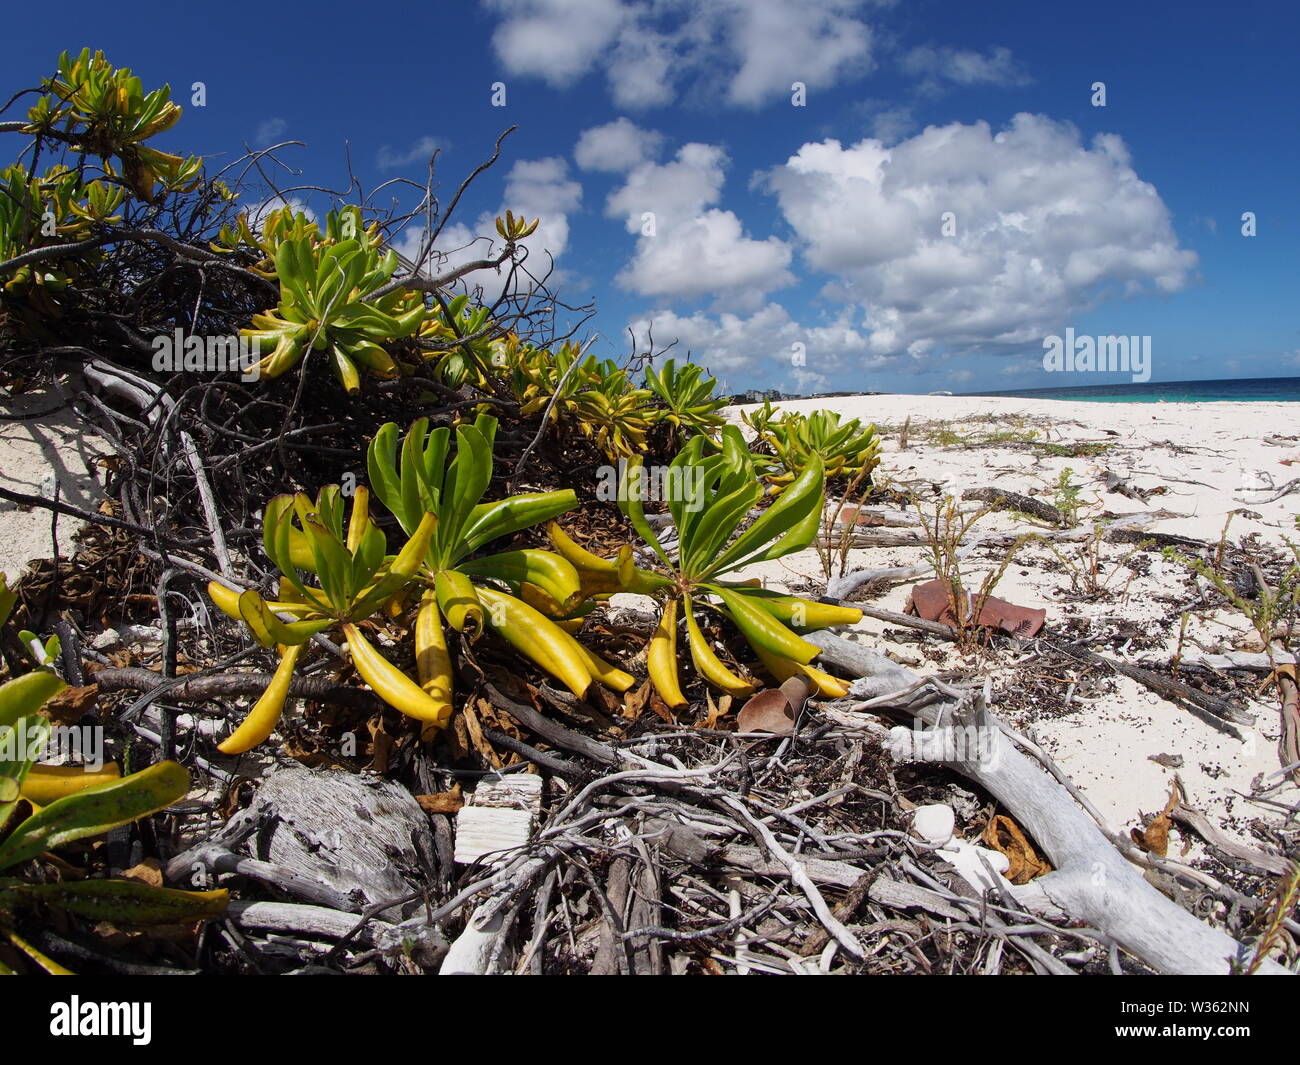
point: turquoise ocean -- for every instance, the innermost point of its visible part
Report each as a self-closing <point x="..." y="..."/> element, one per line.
<point x="1251" y="389"/>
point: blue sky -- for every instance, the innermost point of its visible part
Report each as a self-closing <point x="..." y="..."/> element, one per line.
<point x="800" y="247"/>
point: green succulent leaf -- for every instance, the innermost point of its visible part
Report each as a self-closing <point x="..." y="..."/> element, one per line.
<point x="124" y="902"/>
<point x="25" y="695"/>
<point x="94" y="811"/>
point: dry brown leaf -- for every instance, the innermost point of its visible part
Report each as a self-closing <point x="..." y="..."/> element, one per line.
<point x="71" y="704"/>
<point x="1005" y="837"/>
<point x="381" y="744"/>
<point x="1154" y="838"/>
<point x="775" y="709"/>
<point x="491" y="716"/>
<point x="308" y="756"/>
<point x="148" y="872"/>
<point x="662" y="709"/>
<point x="444" y="802"/>
<point x="717" y="710"/>
<point x="475" y="729"/>
<point x="635" y="701"/>
<point x="458" y="738"/>
<point x="608" y="702"/>
<point x="768" y="711"/>
<point x="230" y="800"/>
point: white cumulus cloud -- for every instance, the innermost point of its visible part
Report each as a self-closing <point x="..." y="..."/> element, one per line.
<point x="1039" y="228"/>
<point x="961" y="66"/>
<point x="269" y="131"/>
<point x="616" y="147"/>
<point x="686" y="246"/>
<point x="390" y="158"/>
<point x="557" y="40"/>
<point x="768" y="342"/>
<point x="747" y="52"/>
<point x="708" y="254"/>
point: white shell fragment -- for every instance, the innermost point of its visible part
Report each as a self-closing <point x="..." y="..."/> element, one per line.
<point x="934" y="823"/>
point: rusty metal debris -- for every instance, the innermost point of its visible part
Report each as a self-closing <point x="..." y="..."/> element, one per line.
<point x="931" y="601"/>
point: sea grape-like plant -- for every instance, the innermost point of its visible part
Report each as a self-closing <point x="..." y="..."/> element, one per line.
<point x="594" y="397"/>
<point x="329" y="303"/>
<point x="60" y="207"/>
<point x="457" y="342"/>
<point x="351" y="577"/>
<point x="718" y="492"/>
<point x="89" y="126"/>
<point x="276" y="226"/>
<point x="689" y="400"/>
<point x="101" y="110"/>
<point x="844" y="448"/>
<point x="336" y="573"/>
<point x="26" y="833"/>
<point x="610" y="412"/>
<point x="539" y="374"/>
<point x="457" y="588"/>
<point x="75" y="804"/>
<point x="761" y="419"/>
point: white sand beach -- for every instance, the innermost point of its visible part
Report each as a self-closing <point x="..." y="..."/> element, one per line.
<point x="1203" y="462"/>
<point x="36" y="454"/>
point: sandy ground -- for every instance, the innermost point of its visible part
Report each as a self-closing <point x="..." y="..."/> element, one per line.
<point x="35" y="455"/>
<point x="1205" y="461"/>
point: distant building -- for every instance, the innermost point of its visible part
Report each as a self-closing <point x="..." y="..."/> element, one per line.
<point x="755" y="395"/>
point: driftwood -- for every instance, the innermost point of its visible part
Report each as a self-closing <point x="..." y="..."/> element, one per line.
<point x="1272" y="864"/>
<point x="1289" y="743"/>
<point x="1000" y="499"/>
<point x="893" y="617"/>
<point x="294" y="919"/>
<point x="339" y="840"/>
<point x="1091" y="881"/>
<point x="1290" y="486"/>
<point x="849" y="583"/>
<point x="1214" y="711"/>
<point x="1255" y="662"/>
<point x="225" y="685"/>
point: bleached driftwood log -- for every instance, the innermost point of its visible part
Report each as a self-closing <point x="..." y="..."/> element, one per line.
<point x="294" y="919"/>
<point x="1092" y="881"/>
<point x="338" y="840"/>
<point x="1219" y="663"/>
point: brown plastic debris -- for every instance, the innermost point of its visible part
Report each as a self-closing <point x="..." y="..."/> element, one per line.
<point x="774" y="709"/>
<point x="930" y="602"/>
